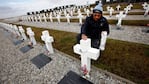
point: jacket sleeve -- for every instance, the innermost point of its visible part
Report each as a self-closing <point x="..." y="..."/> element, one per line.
<point x="106" y="26"/>
<point x="84" y="27"/>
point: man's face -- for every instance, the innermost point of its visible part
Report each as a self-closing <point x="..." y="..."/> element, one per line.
<point x="96" y="16"/>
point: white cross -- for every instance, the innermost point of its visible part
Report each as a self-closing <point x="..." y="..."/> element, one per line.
<point x="65" y="12"/>
<point x="120" y="16"/>
<point x="10" y="27"/>
<point x="71" y="13"/>
<point x="35" y="18"/>
<point x="127" y="9"/>
<point x="79" y="11"/>
<point x="80" y="16"/>
<point x="31" y="36"/>
<point x="22" y="32"/>
<point x="91" y="9"/>
<point x="144" y="5"/>
<point x="87" y="12"/>
<point x="58" y="18"/>
<point x="130" y="5"/>
<point x="147" y="10"/>
<point x="111" y="10"/>
<point x="87" y="53"/>
<point x="68" y="18"/>
<point x="39" y="18"/>
<point x="48" y="40"/>
<point x="28" y="18"/>
<point x="51" y="19"/>
<point x="16" y="30"/>
<point x="108" y="8"/>
<point x="32" y="18"/>
<point x="118" y="7"/>
<point x="45" y="18"/>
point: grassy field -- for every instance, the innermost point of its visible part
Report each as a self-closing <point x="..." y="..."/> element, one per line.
<point x="126" y="59"/>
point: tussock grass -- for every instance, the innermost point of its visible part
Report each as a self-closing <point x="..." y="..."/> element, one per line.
<point x="126" y="59"/>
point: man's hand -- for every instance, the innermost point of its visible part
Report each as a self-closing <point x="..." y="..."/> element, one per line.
<point x="84" y="37"/>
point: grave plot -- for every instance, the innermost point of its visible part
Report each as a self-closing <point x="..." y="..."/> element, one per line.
<point x="73" y="78"/>
<point x="17" y="42"/>
<point x="26" y="48"/>
<point x="41" y="60"/>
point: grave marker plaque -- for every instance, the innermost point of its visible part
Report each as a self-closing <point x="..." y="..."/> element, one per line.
<point x="73" y="78"/>
<point x="26" y="48"/>
<point x="41" y="60"/>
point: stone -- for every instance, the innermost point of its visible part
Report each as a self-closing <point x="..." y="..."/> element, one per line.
<point x="16" y="42"/>
<point x="108" y="8"/>
<point x="87" y="53"/>
<point x="88" y="12"/>
<point x="58" y="18"/>
<point x="126" y="9"/>
<point x="144" y="5"/>
<point x="111" y="10"/>
<point x="73" y="78"/>
<point x="48" y="41"/>
<point x="146" y="10"/>
<point x="26" y="48"/>
<point x="22" y="31"/>
<point x="31" y="36"/>
<point x="51" y="18"/>
<point x="80" y="16"/>
<point x="16" y="30"/>
<point x="118" y="7"/>
<point x="120" y="16"/>
<point x="41" y="60"/>
<point x="68" y="18"/>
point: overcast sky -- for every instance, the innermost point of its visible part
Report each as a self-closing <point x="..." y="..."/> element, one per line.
<point x="11" y="8"/>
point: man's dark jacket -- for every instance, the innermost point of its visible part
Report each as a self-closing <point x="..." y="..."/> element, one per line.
<point x="93" y="29"/>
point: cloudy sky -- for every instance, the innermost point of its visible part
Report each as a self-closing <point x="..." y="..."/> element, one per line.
<point x="11" y="8"/>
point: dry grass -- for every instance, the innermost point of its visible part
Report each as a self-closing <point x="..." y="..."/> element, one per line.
<point x="129" y="60"/>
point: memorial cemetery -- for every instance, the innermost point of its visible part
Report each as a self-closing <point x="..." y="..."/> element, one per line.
<point x="43" y="46"/>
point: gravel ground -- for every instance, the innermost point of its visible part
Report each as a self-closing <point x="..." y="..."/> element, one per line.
<point x="16" y="67"/>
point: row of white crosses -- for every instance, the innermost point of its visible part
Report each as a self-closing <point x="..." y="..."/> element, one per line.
<point x="87" y="52"/>
<point x="57" y="14"/>
<point x="8" y="27"/>
<point x="21" y="32"/>
<point x="111" y="10"/>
